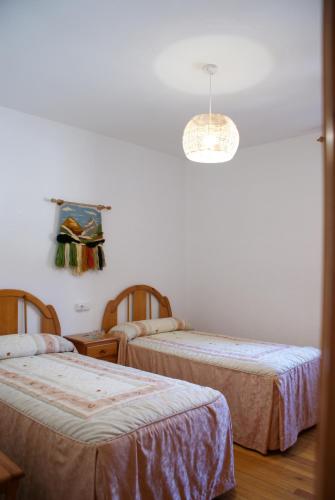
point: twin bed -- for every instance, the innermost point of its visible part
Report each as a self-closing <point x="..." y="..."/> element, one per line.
<point x="82" y="428"/>
<point x="271" y="389"/>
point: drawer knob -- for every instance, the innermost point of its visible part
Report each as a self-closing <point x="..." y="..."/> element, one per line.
<point x="102" y="351"/>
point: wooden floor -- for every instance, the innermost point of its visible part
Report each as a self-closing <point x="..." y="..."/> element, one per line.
<point x="277" y="476"/>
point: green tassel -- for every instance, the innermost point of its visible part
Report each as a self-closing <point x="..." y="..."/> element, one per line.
<point x="60" y="255"/>
<point x="73" y="255"/>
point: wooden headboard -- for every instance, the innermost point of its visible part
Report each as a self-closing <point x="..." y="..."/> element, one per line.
<point x="9" y="313"/>
<point x="138" y="303"/>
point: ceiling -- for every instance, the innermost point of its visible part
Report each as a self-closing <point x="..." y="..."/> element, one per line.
<point x="131" y="69"/>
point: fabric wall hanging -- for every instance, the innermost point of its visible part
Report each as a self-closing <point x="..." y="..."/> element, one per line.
<point x="80" y="237"/>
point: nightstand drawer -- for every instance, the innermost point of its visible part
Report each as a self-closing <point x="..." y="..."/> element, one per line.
<point x="103" y="350"/>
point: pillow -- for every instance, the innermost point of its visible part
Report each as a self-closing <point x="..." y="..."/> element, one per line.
<point x="16" y="346"/>
<point x="134" y="329"/>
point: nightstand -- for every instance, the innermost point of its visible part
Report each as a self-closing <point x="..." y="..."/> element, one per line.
<point x="10" y="475"/>
<point x="96" y="346"/>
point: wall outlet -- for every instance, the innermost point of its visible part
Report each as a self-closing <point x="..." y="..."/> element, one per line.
<point x="82" y="306"/>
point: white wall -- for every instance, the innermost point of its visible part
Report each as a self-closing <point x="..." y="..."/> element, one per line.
<point x="254" y="254"/>
<point x="237" y="247"/>
<point x="144" y="231"/>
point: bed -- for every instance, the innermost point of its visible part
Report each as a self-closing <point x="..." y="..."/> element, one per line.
<point x="271" y="389"/>
<point x="86" y="429"/>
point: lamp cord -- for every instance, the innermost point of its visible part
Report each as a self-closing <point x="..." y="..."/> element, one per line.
<point x="210" y="93"/>
<point x="210" y="103"/>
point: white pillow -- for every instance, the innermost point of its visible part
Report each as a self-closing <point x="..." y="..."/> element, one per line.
<point x="16" y="346"/>
<point x="134" y="329"/>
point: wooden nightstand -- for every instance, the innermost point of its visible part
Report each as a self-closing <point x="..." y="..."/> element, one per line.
<point x="10" y="475"/>
<point x="101" y="347"/>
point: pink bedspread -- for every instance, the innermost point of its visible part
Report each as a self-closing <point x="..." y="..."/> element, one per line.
<point x="271" y="389"/>
<point x="84" y="429"/>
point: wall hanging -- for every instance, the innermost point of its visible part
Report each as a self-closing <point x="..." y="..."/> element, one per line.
<point x="80" y="237"/>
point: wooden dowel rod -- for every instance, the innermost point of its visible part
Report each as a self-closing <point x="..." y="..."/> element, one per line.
<point x="99" y="207"/>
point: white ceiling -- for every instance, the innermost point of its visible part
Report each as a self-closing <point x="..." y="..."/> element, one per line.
<point x="131" y="68"/>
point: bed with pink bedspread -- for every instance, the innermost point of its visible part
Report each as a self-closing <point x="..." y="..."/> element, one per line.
<point x="271" y="389"/>
<point x="85" y="429"/>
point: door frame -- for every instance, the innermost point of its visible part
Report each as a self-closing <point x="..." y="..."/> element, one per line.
<point x="325" y="478"/>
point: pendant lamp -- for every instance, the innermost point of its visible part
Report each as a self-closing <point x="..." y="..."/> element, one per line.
<point x="210" y="137"/>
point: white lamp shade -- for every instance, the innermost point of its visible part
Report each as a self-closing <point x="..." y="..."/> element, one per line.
<point x="210" y="138"/>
